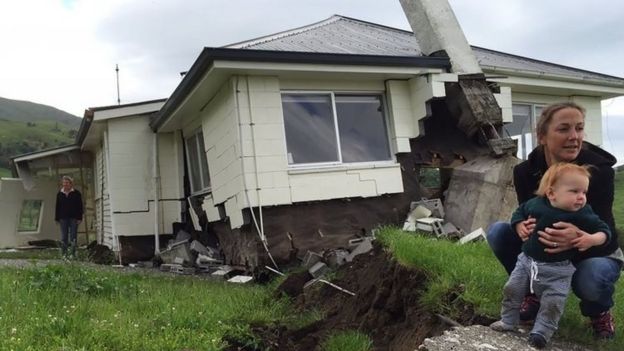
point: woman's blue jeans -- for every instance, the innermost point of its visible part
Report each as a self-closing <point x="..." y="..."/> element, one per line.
<point x="69" y="228"/>
<point x="594" y="279"/>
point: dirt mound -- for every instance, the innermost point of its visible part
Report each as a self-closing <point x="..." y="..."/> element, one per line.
<point x="385" y="307"/>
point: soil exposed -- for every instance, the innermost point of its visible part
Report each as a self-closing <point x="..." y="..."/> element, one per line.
<point x="385" y="307"/>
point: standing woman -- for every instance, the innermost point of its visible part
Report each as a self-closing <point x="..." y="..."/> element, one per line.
<point x="560" y="133"/>
<point x="68" y="214"/>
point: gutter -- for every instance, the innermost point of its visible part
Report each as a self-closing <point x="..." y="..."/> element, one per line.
<point x="550" y="76"/>
<point x="209" y="55"/>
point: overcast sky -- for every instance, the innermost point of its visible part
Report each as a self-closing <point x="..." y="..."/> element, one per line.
<point x="63" y="52"/>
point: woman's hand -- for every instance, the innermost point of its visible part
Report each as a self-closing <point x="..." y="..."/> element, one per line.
<point x="586" y="240"/>
<point x="559" y="237"/>
<point x="525" y="228"/>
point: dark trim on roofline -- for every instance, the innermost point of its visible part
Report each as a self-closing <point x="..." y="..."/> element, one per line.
<point x="42" y="151"/>
<point x="112" y="107"/>
<point x="209" y="55"/>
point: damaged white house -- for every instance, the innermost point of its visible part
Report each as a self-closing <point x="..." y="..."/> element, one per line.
<point x="294" y="141"/>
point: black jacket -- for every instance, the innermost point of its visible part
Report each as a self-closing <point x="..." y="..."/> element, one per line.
<point x="68" y="206"/>
<point x="599" y="195"/>
<point x="545" y="214"/>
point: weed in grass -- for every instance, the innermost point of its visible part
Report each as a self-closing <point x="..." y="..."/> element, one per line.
<point x="348" y="341"/>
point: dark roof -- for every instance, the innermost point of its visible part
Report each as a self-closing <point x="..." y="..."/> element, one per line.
<point x="344" y="40"/>
<point x="340" y="34"/>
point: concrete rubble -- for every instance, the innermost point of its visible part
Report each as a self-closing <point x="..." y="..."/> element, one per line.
<point x="482" y="338"/>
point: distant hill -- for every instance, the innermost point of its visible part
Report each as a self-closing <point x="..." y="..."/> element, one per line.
<point x="25" y="111"/>
<point x="27" y="127"/>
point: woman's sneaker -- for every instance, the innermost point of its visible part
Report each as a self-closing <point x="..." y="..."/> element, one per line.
<point x="529" y="308"/>
<point x="603" y="325"/>
<point x="537" y="341"/>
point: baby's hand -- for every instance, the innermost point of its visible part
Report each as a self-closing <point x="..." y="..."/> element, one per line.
<point x="586" y="240"/>
<point x="525" y="228"/>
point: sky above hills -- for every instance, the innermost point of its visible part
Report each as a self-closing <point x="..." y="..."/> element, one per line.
<point x="63" y="52"/>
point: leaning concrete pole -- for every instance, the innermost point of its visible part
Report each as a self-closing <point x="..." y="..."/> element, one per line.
<point x="436" y="28"/>
<point x="480" y="191"/>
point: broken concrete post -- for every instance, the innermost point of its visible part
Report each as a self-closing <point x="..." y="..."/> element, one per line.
<point x="481" y="192"/>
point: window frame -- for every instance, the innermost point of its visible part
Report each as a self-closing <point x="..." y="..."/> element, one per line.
<point x="333" y="164"/>
<point x="533" y="106"/>
<point x="201" y="153"/>
<point x="19" y="218"/>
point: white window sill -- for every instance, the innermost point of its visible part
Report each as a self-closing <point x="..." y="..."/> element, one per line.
<point x="342" y="167"/>
<point x="202" y="192"/>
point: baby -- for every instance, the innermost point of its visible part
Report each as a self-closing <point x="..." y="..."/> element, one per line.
<point x="561" y="197"/>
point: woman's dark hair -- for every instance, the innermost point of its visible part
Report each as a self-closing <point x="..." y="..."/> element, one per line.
<point x="547" y="114"/>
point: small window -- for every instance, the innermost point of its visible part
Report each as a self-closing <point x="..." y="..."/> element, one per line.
<point x="328" y="128"/>
<point x="198" y="166"/>
<point x="30" y="216"/>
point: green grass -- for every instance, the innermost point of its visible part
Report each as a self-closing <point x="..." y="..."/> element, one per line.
<point x="70" y="307"/>
<point x="471" y="274"/>
<point x="347" y="341"/>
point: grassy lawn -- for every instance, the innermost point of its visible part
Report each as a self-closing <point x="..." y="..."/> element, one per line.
<point x="70" y="307"/>
<point x="472" y="272"/>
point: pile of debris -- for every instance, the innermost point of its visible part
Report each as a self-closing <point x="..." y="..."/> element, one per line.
<point x="427" y="215"/>
<point x="317" y="265"/>
<point x="184" y="255"/>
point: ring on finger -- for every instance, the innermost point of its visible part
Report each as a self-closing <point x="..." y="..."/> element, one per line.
<point x="555" y="245"/>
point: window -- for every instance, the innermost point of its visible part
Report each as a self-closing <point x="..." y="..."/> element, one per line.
<point x="198" y="166"/>
<point x="523" y="127"/>
<point x="328" y="128"/>
<point x="30" y="216"/>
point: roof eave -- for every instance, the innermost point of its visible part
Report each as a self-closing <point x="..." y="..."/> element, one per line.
<point x="209" y="55"/>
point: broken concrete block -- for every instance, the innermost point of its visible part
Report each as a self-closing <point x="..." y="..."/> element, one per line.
<point x="182" y="236"/>
<point x="415" y="214"/>
<point x="336" y="258"/>
<point x="427" y="224"/>
<point x="311" y="258"/>
<point x="450" y="230"/>
<point x="241" y="279"/>
<point x="318" y="269"/>
<point x="364" y="247"/>
<point x="223" y="272"/>
<point x="433" y="205"/>
<point x="176" y="251"/>
<point x="204" y="260"/>
<point x="475" y="235"/>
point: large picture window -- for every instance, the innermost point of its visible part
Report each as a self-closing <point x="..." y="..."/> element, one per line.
<point x="197" y="164"/>
<point x="328" y="128"/>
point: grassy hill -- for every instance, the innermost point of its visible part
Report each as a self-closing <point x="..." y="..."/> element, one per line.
<point x="26" y="127"/>
<point x="25" y="111"/>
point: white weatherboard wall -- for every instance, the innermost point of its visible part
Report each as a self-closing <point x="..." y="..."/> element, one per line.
<point x="12" y="195"/>
<point x="130" y="151"/>
<point x="593" y="115"/>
